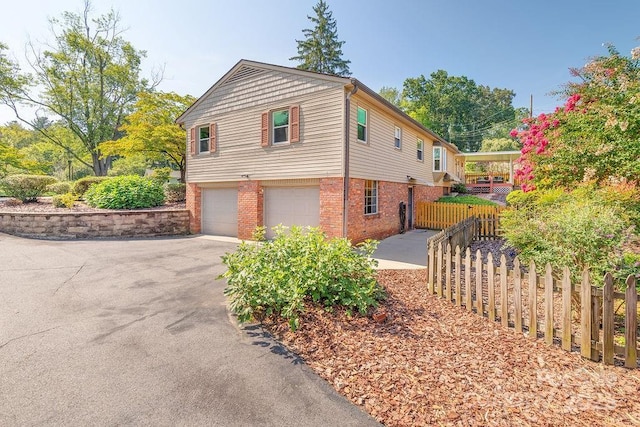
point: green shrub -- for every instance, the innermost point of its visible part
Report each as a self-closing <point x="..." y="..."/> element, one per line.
<point x="277" y="277"/>
<point x="64" y="200"/>
<point x="175" y="192"/>
<point x="460" y="188"/>
<point x="26" y="188"/>
<point x="61" y="187"/>
<point x="82" y="185"/>
<point x="575" y="230"/>
<point x="161" y="175"/>
<point x="125" y="192"/>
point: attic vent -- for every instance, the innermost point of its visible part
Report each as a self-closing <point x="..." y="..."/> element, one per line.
<point x="243" y="73"/>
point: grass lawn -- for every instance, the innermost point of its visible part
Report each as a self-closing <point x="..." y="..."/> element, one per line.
<point x="466" y="199"/>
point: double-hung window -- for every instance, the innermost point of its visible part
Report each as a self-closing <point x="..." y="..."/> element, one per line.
<point x="420" y="150"/>
<point x="280" y="124"/>
<point x="370" y="197"/>
<point x="397" y="140"/>
<point x="439" y="159"/>
<point x="203" y="139"/>
<point x="362" y="124"/>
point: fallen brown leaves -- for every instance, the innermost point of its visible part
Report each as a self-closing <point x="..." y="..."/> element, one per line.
<point x="433" y="363"/>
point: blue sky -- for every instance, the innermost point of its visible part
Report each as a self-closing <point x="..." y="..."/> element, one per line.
<point x="524" y="46"/>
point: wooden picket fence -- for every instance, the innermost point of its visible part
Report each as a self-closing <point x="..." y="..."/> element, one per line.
<point x="436" y="216"/>
<point x="554" y="309"/>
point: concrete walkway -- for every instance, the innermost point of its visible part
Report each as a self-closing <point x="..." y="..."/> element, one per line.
<point x="136" y="332"/>
<point x="404" y="251"/>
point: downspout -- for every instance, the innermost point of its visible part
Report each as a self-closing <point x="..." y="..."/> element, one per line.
<point x="347" y="130"/>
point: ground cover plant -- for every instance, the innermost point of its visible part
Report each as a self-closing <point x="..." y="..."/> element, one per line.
<point x="466" y="199"/>
<point x="277" y="277"/>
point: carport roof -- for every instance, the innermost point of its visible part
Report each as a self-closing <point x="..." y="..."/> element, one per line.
<point x="495" y="156"/>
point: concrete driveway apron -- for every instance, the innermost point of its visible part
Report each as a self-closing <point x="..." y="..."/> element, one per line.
<point x="137" y="332"/>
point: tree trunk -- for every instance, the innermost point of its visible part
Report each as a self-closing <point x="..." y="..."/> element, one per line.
<point x="183" y="175"/>
<point x="100" y="165"/>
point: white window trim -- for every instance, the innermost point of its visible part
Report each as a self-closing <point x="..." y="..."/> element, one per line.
<point x="443" y="159"/>
<point x="366" y="125"/>
<point x="273" y="127"/>
<point x="376" y="199"/>
<point x="420" y="150"/>
<point x="202" y="139"/>
<point x="397" y="138"/>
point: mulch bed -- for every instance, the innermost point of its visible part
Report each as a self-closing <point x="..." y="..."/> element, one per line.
<point x="433" y="363"/>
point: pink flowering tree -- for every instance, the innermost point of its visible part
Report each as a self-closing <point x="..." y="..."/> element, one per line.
<point x="594" y="136"/>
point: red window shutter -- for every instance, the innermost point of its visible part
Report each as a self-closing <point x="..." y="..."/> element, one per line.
<point x="264" y="141"/>
<point x="193" y="141"/>
<point x="212" y="138"/>
<point x="294" y="117"/>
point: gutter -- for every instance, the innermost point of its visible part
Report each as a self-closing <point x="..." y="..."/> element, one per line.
<point x="347" y="130"/>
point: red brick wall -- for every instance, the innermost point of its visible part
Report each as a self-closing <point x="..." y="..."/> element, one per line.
<point x="387" y="221"/>
<point x="194" y="206"/>
<point x="331" y="204"/>
<point x="250" y="208"/>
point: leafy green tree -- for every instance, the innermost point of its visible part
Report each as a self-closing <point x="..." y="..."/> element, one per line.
<point x="88" y="78"/>
<point x="500" y="144"/>
<point x="391" y="94"/>
<point x="151" y="130"/>
<point x="321" y="51"/>
<point x="456" y="107"/>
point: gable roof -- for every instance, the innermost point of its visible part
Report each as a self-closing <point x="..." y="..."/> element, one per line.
<point x="245" y="68"/>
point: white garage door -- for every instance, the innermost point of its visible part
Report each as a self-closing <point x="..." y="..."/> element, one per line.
<point x="220" y="211"/>
<point x="291" y="206"/>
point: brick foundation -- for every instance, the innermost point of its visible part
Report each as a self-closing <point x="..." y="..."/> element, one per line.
<point x="250" y="208"/>
<point x="331" y="206"/>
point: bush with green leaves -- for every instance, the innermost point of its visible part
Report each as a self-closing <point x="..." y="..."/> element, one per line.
<point x="161" y="175"/>
<point x="299" y="265"/>
<point x="175" y="192"/>
<point x="26" y="188"/>
<point x="64" y="200"/>
<point x="125" y="192"/>
<point x="578" y="229"/>
<point x="61" y="187"/>
<point x="82" y="185"/>
<point x="458" y="187"/>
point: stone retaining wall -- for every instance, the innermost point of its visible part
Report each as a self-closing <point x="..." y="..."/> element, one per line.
<point x="82" y="225"/>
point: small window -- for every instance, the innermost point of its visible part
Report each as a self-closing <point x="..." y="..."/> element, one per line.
<point x="203" y="139"/>
<point x="362" y="124"/>
<point x="280" y="121"/>
<point x="439" y="159"/>
<point x="397" y="140"/>
<point x="420" y="152"/>
<point x="370" y="197"/>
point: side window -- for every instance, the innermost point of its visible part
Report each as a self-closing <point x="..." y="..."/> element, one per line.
<point x="362" y="124"/>
<point x="280" y="125"/>
<point x="437" y="159"/>
<point x="420" y="150"/>
<point x="203" y="139"/>
<point x="370" y="197"/>
<point x="397" y="140"/>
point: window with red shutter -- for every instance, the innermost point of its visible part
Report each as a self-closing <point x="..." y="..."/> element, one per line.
<point x="213" y="146"/>
<point x="264" y="140"/>
<point x="193" y="141"/>
<point x="295" y="123"/>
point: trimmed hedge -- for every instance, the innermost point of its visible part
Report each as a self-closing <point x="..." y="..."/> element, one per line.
<point x="61" y="187"/>
<point x="82" y="185"/>
<point x="175" y="192"/>
<point x="125" y="192"/>
<point x="26" y="188"/>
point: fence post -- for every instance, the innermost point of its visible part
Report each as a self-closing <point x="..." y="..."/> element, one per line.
<point x="607" y="320"/>
<point x="548" y="303"/>
<point x="504" y="298"/>
<point x="447" y="279"/>
<point x="595" y="326"/>
<point x="439" y="257"/>
<point x="479" y="305"/>
<point x="585" y="316"/>
<point x="517" y="294"/>
<point x="630" y="324"/>
<point x="458" y="277"/>
<point x="432" y="267"/>
<point x="491" y="287"/>
<point x="566" y="309"/>
<point x="533" y="301"/>
<point x="467" y="280"/>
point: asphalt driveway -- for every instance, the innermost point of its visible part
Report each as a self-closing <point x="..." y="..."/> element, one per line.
<point x="126" y="332"/>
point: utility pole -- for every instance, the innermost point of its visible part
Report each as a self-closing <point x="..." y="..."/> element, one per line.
<point x="531" y="107"/>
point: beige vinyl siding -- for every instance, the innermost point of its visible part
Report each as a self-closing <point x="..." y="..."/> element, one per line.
<point x="378" y="159"/>
<point x="236" y="109"/>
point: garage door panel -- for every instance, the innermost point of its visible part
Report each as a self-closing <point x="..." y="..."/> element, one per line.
<point x="220" y="211"/>
<point x="291" y="206"/>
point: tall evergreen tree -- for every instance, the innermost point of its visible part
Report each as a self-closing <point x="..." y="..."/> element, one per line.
<point x="321" y="51"/>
